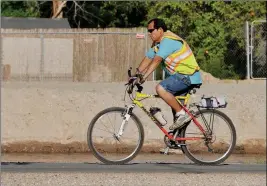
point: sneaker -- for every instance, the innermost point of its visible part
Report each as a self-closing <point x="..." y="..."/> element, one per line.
<point x="180" y="121"/>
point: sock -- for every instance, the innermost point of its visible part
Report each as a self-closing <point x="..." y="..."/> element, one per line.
<point x="181" y="112"/>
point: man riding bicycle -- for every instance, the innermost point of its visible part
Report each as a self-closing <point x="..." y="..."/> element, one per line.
<point x="179" y="63"/>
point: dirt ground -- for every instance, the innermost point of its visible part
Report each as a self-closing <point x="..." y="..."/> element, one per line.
<point x="143" y="157"/>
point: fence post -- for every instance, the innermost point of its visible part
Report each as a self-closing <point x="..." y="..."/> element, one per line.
<point x="1" y="58"/>
<point x="163" y="74"/>
<point x="146" y="37"/>
<point x="42" y="57"/>
<point x="129" y="50"/>
<point x="247" y="50"/>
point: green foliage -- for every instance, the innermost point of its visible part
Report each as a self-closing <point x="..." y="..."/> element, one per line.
<point x="123" y="13"/>
<point x="84" y="14"/>
<point x="106" y="13"/>
<point x="20" y="9"/>
<point x="216" y="27"/>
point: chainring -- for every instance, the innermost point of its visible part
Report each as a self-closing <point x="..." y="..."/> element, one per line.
<point x="170" y="143"/>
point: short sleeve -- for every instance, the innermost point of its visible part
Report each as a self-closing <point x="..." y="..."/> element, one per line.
<point x="167" y="47"/>
<point x="150" y="54"/>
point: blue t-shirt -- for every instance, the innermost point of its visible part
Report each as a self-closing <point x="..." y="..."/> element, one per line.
<point x="167" y="47"/>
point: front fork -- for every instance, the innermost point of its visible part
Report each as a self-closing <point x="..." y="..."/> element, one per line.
<point x="126" y="116"/>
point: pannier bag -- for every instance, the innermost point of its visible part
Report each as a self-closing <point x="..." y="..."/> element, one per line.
<point x="213" y="102"/>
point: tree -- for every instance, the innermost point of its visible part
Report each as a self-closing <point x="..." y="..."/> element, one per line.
<point x="20" y="9"/>
<point x="81" y="14"/>
<point x="102" y="14"/>
<point x="57" y="8"/>
<point x="214" y="30"/>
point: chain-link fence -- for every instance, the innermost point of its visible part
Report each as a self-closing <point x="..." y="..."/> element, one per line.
<point x="71" y="55"/>
<point x="224" y="60"/>
<point x="258" y="62"/>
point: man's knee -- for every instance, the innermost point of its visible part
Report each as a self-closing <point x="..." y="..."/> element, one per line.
<point x="159" y="89"/>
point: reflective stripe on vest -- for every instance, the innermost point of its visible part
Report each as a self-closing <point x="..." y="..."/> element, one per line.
<point x="182" y="61"/>
<point x="174" y="62"/>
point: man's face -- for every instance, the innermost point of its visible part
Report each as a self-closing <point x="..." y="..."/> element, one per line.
<point x="155" y="34"/>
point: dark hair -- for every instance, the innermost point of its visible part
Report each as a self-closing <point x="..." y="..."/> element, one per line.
<point x="158" y="23"/>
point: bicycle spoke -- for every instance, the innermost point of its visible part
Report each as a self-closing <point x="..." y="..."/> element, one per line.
<point x="110" y="120"/>
<point x="114" y="127"/>
<point x="104" y="130"/>
<point x="115" y="148"/>
<point x="111" y="137"/>
<point x="105" y="125"/>
<point x="220" y="142"/>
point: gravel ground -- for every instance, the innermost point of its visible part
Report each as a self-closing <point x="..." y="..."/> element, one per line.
<point x="102" y="179"/>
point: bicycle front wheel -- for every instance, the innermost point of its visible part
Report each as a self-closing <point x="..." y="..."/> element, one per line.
<point x="217" y="146"/>
<point x="108" y="142"/>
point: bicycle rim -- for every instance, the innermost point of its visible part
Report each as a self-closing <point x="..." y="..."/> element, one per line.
<point x="104" y="143"/>
<point x="222" y="143"/>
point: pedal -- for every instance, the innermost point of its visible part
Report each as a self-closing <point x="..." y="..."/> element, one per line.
<point x="210" y="149"/>
<point x="166" y="150"/>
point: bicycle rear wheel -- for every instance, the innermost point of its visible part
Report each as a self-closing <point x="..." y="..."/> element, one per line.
<point x="218" y="146"/>
<point x="103" y="140"/>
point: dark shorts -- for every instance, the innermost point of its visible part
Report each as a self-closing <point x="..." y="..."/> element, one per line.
<point x="176" y="84"/>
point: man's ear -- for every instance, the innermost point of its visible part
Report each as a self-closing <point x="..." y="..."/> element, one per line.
<point x="161" y="30"/>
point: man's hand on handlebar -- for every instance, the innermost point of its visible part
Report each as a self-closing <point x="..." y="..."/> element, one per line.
<point x="135" y="80"/>
<point x="138" y="77"/>
<point x="141" y="79"/>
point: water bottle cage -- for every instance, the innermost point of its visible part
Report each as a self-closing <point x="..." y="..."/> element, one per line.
<point x="156" y="112"/>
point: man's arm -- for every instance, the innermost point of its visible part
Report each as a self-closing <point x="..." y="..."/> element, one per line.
<point x="153" y="65"/>
<point x="144" y="64"/>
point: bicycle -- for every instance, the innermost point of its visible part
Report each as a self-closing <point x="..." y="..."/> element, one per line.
<point x="201" y="142"/>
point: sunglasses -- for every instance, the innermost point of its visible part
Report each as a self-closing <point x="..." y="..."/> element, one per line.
<point x="151" y="30"/>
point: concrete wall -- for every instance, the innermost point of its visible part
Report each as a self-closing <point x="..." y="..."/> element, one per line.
<point x="24" y="55"/>
<point x="54" y="117"/>
<point x="14" y="50"/>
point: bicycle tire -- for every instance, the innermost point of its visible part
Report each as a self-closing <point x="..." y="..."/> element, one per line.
<point x="94" y="151"/>
<point x="229" y="152"/>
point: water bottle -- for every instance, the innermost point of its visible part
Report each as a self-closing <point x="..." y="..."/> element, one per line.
<point x="156" y="112"/>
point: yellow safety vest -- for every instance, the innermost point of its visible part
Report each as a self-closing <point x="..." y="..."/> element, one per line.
<point x="182" y="61"/>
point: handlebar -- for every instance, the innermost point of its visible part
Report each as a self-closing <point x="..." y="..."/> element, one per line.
<point x="132" y="82"/>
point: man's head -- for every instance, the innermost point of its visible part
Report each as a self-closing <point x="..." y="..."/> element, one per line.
<point x="156" y="28"/>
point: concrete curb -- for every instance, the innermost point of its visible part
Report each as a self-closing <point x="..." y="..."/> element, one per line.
<point x="250" y="147"/>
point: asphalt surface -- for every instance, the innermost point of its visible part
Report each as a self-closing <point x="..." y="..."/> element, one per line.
<point x="146" y="169"/>
<point x="132" y="179"/>
<point x="133" y="167"/>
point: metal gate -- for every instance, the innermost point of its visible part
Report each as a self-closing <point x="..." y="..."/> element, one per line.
<point x="256" y="49"/>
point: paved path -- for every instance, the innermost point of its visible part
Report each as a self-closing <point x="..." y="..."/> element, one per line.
<point x="134" y="167"/>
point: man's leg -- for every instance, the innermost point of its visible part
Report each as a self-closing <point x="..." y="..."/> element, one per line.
<point x="166" y="90"/>
<point x="168" y="98"/>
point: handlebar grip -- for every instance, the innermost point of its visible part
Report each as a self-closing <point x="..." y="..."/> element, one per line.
<point x="129" y="72"/>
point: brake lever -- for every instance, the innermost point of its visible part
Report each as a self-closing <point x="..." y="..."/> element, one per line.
<point x="129" y="72"/>
<point x="139" y="87"/>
